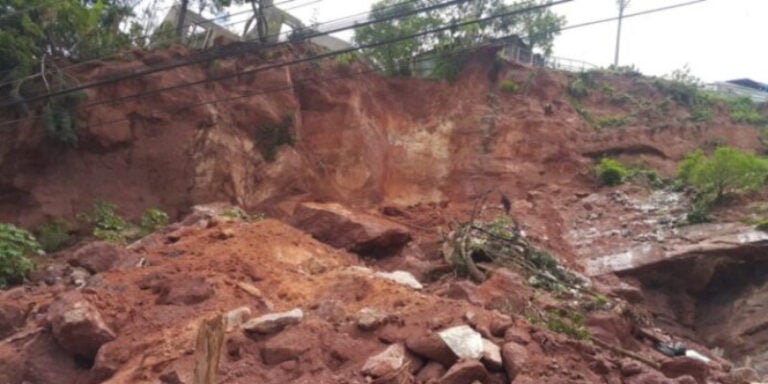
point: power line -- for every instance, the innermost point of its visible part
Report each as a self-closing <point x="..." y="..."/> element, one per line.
<point x="646" y="12"/>
<point x="162" y="34"/>
<point x="208" y="57"/>
<point x="317" y="57"/>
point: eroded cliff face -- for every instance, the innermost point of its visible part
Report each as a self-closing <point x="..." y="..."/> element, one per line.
<point x="417" y="154"/>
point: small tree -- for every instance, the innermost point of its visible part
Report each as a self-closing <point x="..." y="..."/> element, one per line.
<point x="727" y="171"/>
<point x="611" y="172"/>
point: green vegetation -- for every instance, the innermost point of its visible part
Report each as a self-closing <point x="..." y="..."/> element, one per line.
<point x="570" y="324"/>
<point x="616" y="121"/>
<point x="107" y="224"/>
<point x="269" y="137"/>
<point x="743" y="110"/>
<point x="611" y="172"/>
<point x="509" y="86"/>
<point x="727" y="171"/>
<point x="395" y="59"/>
<point x="152" y="220"/>
<point x="16" y="247"/>
<point x="578" y="88"/>
<point x="53" y="236"/>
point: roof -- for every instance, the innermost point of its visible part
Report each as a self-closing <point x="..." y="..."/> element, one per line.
<point x="749" y="83"/>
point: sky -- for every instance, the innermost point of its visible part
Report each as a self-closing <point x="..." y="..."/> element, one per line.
<point x="717" y="39"/>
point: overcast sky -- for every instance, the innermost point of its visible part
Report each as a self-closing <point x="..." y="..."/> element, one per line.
<point x="718" y="39"/>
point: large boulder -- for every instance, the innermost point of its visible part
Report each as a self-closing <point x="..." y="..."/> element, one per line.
<point x="464" y="342"/>
<point x="78" y="326"/>
<point x="184" y="292"/>
<point x="285" y="346"/>
<point x="100" y="256"/>
<point x="356" y="232"/>
<point x="515" y="357"/>
<point x="432" y="347"/>
<point x="466" y="372"/>
<point x="682" y="366"/>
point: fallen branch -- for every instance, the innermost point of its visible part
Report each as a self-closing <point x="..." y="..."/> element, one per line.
<point x="627" y="353"/>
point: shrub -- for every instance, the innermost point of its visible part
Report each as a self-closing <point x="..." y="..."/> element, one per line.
<point x="568" y="324"/>
<point x="270" y="137"/>
<point x="611" y="172"/>
<point x="107" y="224"/>
<point x="53" y="236"/>
<point x="727" y="171"/>
<point x="16" y="245"/>
<point x="509" y="86"/>
<point x="743" y="110"/>
<point x="612" y="121"/>
<point x="578" y="88"/>
<point x="152" y="220"/>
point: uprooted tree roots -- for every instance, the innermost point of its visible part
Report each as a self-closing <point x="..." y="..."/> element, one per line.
<point x="474" y="248"/>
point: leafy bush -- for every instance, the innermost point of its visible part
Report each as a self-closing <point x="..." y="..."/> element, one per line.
<point x="16" y="245"/>
<point x="611" y="172"/>
<point x="743" y="110"/>
<point x="152" y="220"/>
<point x="270" y="137"/>
<point x="59" y="120"/>
<point x="578" y="88"/>
<point x="727" y="171"/>
<point x="107" y="224"/>
<point x="53" y="236"/>
<point x="509" y="86"/>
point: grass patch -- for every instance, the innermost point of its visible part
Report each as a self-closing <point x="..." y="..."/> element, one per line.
<point x="509" y="86"/>
<point x="615" y="121"/>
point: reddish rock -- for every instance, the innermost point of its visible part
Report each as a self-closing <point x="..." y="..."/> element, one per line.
<point x="99" y="256"/>
<point x="682" y="366"/>
<point x="492" y="356"/>
<point x="610" y="328"/>
<point x="504" y="289"/>
<point x="11" y="317"/>
<point x="432" y="347"/>
<point x="357" y="232"/>
<point x="514" y="357"/>
<point x="517" y="335"/>
<point x="184" y="292"/>
<point x="432" y="371"/>
<point x="387" y="362"/>
<point x="273" y="322"/>
<point x="741" y="376"/>
<point x="466" y="372"/>
<point x="687" y="379"/>
<point x="630" y="293"/>
<point x="77" y="325"/>
<point x="285" y="346"/>
<point x="651" y="377"/>
<point x="631" y="368"/>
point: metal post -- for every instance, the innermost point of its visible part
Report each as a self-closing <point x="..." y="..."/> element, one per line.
<point x="622" y="6"/>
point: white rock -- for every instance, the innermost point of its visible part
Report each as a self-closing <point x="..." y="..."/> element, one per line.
<point x="492" y="356"/>
<point x="464" y="341"/>
<point x="388" y="361"/>
<point x="402" y="278"/>
<point x="236" y="317"/>
<point x="274" y="322"/>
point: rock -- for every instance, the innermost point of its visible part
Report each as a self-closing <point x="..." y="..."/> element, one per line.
<point x="630" y="368"/>
<point x="650" y="377"/>
<point x="99" y="256"/>
<point x="465" y="342"/>
<point x="432" y="371"/>
<point x="514" y="357"/>
<point x="504" y="289"/>
<point x="742" y="375"/>
<point x="611" y="328"/>
<point x="283" y="347"/>
<point x="687" y="379"/>
<point x="465" y="372"/>
<point x="401" y="277"/>
<point x="387" y="362"/>
<point x="184" y="292"/>
<point x="432" y="347"/>
<point x="236" y="317"/>
<point x="11" y="318"/>
<point x="628" y="292"/>
<point x="492" y="356"/>
<point x="356" y="232"/>
<point x="77" y="325"/>
<point x="517" y="335"/>
<point x="369" y="319"/>
<point x="273" y="322"/>
<point x="681" y="366"/>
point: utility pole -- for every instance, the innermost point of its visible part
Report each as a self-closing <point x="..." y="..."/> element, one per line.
<point x="623" y="4"/>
